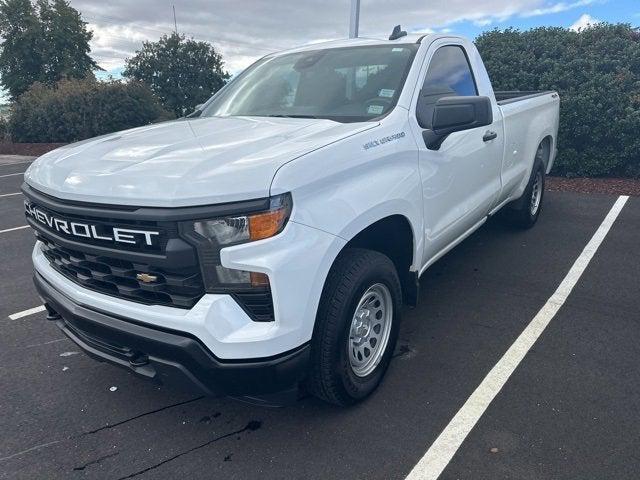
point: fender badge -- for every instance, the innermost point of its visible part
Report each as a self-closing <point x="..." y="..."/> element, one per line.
<point x="146" y="278"/>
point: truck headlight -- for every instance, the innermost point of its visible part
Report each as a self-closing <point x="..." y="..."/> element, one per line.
<point x="211" y="235"/>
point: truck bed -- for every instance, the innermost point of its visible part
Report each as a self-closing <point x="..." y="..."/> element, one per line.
<point x="511" y="96"/>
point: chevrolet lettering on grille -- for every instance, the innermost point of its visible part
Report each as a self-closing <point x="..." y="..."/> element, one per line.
<point x="106" y="233"/>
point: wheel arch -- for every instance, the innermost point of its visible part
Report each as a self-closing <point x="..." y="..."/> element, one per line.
<point x="394" y="237"/>
<point x="546" y="139"/>
<point x="547" y="145"/>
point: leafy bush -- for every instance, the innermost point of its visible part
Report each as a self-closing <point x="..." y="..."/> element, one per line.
<point x="597" y="73"/>
<point x="77" y="109"/>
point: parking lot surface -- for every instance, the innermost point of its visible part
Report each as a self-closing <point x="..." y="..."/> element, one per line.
<point x="569" y="410"/>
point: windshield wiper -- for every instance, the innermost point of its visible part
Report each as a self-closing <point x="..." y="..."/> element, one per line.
<point x="292" y="116"/>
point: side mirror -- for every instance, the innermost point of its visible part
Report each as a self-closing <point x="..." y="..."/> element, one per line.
<point x="456" y="114"/>
<point x="427" y="100"/>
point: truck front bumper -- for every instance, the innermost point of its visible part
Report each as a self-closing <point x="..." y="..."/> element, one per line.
<point x="170" y="357"/>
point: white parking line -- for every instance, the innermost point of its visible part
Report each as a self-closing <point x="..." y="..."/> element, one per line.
<point x="26" y="313"/>
<point x="432" y="464"/>
<point x="11" y="174"/>
<point x="10" y="194"/>
<point x="46" y="343"/>
<point x="15" y="163"/>
<point x="37" y="447"/>
<point x="14" y="229"/>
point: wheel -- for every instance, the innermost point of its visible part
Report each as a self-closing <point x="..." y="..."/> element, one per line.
<point x="356" y="327"/>
<point x="524" y="212"/>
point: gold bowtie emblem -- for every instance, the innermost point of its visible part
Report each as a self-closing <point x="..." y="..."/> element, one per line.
<point x="146" y="278"/>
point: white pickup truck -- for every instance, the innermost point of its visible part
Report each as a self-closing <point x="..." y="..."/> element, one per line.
<point x="270" y="239"/>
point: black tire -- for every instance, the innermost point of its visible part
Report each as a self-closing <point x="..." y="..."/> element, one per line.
<point x="521" y="214"/>
<point x="332" y="377"/>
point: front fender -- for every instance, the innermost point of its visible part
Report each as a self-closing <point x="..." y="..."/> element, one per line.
<point x="345" y="187"/>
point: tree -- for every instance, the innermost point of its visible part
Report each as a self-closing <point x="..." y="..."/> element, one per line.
<point x="65" y="45"/>
<point x="181" y="72"/>
<point x="42" y="43"/>
<point x="20" y="52"/>
<point x="597" y="73"/>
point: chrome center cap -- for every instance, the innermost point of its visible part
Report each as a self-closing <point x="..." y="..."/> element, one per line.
<point x="361" y="326"/>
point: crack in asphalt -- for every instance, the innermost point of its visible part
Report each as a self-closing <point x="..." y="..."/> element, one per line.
<point x="96" y="461"/>
<point x="112" y="425"/>
<point x="251" y="426"/>
<point x="105" y="427"/>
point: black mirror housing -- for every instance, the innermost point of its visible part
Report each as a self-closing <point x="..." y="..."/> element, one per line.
<point x="427" y="101"/>
<point x="456" y="114"/>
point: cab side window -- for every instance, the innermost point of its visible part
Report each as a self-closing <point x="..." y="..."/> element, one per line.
<point x="449" y="69"/>
<point x="449" y="75"/>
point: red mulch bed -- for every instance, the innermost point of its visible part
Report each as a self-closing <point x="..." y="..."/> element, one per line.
<point x="607" y="186"/>
<point x="29" y="149"/>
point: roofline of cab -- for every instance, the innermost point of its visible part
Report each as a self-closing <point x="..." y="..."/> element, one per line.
<point x="362" y="41"/>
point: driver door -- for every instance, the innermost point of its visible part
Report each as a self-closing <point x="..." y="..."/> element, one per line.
<point x="461" y="178"/>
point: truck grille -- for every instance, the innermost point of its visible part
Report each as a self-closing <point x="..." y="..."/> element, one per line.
<point x="118" y="277"/>
<point x="135" y="253"/>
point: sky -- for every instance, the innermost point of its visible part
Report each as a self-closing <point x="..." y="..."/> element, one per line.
<point x="245" y="30"/>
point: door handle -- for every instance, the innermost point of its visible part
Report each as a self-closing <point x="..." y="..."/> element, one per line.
<point x="488" y="136"/>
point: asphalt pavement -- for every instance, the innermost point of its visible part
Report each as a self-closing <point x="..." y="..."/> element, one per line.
<point x="570" y="409"/>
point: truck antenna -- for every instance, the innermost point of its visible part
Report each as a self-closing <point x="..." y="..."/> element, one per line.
<point x="397" y="33"/>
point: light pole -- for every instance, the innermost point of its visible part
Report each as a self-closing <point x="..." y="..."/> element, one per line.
<point x="354" y="22"/>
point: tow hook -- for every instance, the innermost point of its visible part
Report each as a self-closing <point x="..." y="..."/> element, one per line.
<point x="52" y="315"/>
<point x="139" y="359"/>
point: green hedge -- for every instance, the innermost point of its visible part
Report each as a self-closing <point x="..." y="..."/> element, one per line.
<point x="73" y="110"/>
<point x="597" y="73"/>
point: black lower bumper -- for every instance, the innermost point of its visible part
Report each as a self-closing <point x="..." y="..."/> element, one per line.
<point x="170" y="357"/>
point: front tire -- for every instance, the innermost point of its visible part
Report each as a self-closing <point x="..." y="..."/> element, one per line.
<point x="356" y="327"/>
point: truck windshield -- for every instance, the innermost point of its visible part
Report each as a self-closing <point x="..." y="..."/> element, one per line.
<point x="351" y="84"/>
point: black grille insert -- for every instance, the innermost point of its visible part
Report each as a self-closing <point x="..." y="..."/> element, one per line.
<point x="118" y="277"/>
<point x="259" y="305"/>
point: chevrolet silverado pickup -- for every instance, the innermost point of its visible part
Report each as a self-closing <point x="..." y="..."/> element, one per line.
<point x="266" y="243"/>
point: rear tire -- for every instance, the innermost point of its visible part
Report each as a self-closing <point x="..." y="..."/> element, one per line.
<point x="524" y="212"/>
<point x="356" y="327"/>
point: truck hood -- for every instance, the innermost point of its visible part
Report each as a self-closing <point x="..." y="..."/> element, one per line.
<point x="183" y="162"/>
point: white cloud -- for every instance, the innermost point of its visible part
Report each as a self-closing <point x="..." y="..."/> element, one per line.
<point x="112" y="43"/>
<point x="246" y="30"/>
<point x="585" y="21"/>
<point x="482" y="22"/>
<point x="557" y="8"/>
